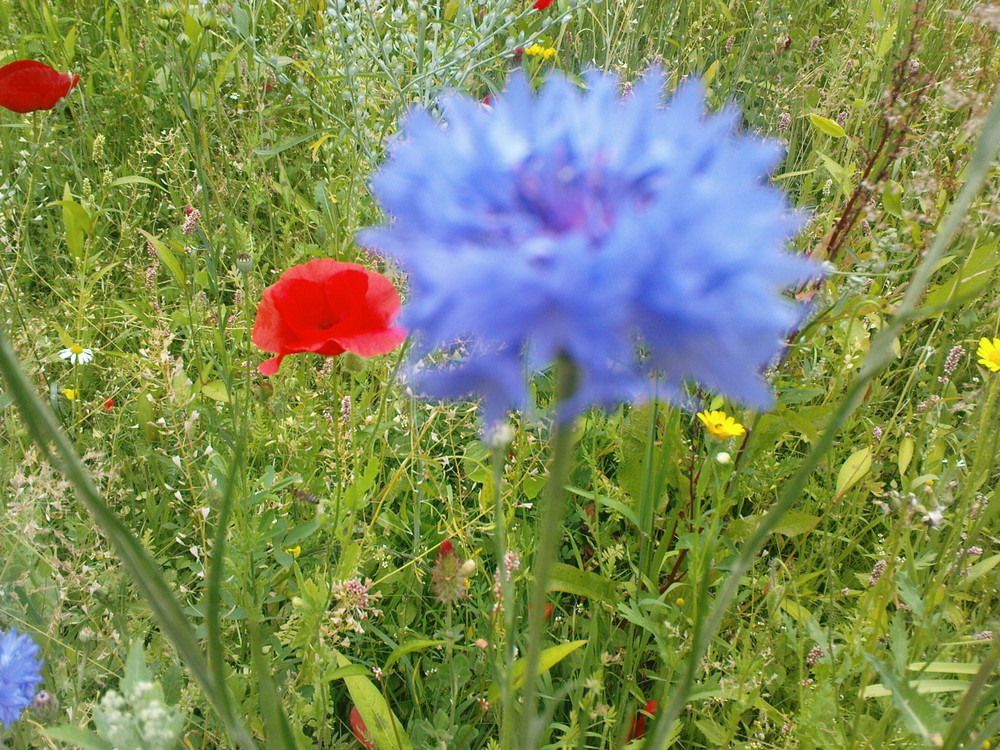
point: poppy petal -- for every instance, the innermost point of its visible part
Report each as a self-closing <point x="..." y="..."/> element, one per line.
<point x="319" y="270"/>
<point x="29" y="85"/>
<point x="381" y="302"/>
<point x="345" y="291"/>
<point x="371" y="343"/>
<point x="302" y="306"/>
<point x="328" y="307"/>
<point x="270" y="366"/>
<point x="269" y="330"/>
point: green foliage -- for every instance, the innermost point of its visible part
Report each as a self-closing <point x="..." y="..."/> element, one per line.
<point x="863" y="619"/>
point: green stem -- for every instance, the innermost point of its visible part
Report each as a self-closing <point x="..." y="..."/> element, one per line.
<point x="548" y="546"/>
<point x="505" y="647"/>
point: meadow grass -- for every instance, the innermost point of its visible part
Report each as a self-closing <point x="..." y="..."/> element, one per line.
<point x="295" y="522"/>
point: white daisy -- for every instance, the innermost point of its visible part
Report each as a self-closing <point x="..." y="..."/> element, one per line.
<point x="77" y="354"/>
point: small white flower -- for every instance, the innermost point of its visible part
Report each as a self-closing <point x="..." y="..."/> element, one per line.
<point x="934" y="517"/>
<point x="76" y="354"/>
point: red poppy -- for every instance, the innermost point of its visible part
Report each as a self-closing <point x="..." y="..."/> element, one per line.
<point x="327" y="307"/>
<point x="638" y="727"/>
<point x="542" y="4"/>
<point x="108" y="405"/>
<point x="27" y="85"/>
<point x="359" y="728"/>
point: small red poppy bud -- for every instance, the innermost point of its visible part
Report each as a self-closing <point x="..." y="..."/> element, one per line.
<point x="638" y="727"/>
<point x="542" y="4"/>
<point x="29" y="85"/>
<point x="548" y="612"/>
<point x="108" y="405"/>
<point x="359" y="728"/>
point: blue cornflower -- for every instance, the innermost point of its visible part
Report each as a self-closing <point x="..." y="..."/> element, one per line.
<point x="639" y="241"/>
<point x="19" y="674"/>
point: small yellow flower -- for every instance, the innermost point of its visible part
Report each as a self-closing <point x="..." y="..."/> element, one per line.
<point x="294" y="551"/>
<point x="719" y="425"/>
<point x="989" y="354"/>
<point x="536" y="50"/>
<point x="69" y="393"/>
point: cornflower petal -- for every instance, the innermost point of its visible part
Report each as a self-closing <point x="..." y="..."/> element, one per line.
<point x="20" y="673"/>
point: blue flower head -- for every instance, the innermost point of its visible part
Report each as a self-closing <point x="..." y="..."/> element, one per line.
<point x="20" y="673"/>
<point x="640" y="241"/>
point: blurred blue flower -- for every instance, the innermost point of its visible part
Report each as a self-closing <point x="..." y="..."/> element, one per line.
<point x="642" y="242"/>
<point x="19" y="674"/>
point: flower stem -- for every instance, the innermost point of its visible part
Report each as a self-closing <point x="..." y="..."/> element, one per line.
<point x="505" y="626"/>
<point x="550" y="534"/>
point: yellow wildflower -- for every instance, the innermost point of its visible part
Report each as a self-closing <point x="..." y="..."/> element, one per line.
<point x="989" y="354"/>
<point x="535" y="50"/>
<point x="69" y="393"/>
<point x="294" y="551"/>
<point x="720" y="425"/>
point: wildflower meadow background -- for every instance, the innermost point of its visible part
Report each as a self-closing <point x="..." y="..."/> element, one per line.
<point x="512" y="375"/>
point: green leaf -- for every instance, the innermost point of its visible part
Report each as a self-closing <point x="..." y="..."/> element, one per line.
<point x="76" y="223"/>
<point x="944" y="667"/>
<point x="972" y="279"/>
<point x="351" y="670"/>
<point x="359" y="490"/>
<point x="549" y="658"/>
<point x="918" y="714"/>
<point x="892" y="199"/>
<point x="843" y="175"/>
<point x="215" y="390"/>
<point x="795" y="523"/>
<point x="885" y="41"/>
<point x="905" y="455"/>
<point x="724" y="10"/>
<point x="710" y="74"/>
<point x="854" y="469"/>
<point x="166" y="256"/>
<point x="923" y="687"/>
<point x="827" y="126"/>
<point x="136" y="670"/>
<point x="572" y="580"/>
<point x="383" y="726"/>
<point x="285" y="144"/>
<point x="85" y="739"/>
<point x="134" y="179"/>
<point x="977" y="571"/>
<point x="192" y="29"/>
<point x="408" y="648"/>
<point x="796" y="611"/>
<point x="617" y="506"/>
